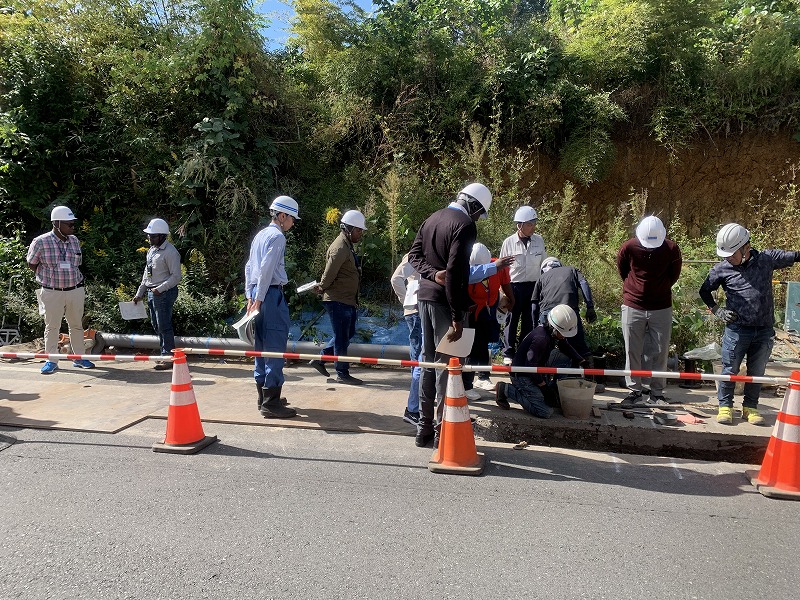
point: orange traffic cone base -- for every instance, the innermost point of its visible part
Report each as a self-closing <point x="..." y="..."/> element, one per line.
<point x="435" y="466"/>
<point x="768" y="491"/>
<point x="456" y="453"/>
<point x="779" y="476"/>
<point x="184" y="448"/>
<point x="184" y="429"/>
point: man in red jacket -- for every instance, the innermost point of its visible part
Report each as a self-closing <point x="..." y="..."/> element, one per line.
<point x="649" y="265"/>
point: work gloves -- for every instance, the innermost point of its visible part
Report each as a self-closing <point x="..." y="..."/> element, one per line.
<point x="591" y="315"/>
<point x="724" y="314"/>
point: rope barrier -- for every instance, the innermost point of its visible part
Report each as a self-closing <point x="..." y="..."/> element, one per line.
<point x="490" y="368"/>
<point x="406" y="363"/>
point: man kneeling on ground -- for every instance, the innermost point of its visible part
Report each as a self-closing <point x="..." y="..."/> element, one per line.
<point x="532" y="390"/>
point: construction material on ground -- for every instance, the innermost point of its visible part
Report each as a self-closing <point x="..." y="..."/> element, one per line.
<point x="576" y="396"/>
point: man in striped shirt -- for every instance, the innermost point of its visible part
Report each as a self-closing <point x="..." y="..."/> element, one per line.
<point x="56" y="258"/>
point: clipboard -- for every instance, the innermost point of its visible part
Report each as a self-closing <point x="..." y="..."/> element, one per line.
<point x="130" y="311"/>
<point x="460" y="348"/>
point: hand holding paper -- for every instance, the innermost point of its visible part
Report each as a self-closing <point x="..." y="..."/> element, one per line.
<point x="307" y="286"/>
<point x="132" y="310"/>
<point x="459" y="347"/>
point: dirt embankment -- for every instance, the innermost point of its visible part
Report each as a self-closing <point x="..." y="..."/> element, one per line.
<point x="715" y="181"/>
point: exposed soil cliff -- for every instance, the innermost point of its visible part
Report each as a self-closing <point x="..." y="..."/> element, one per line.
<point x="715" y="181"/>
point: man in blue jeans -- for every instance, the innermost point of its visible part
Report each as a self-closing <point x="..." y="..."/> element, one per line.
<point x="746" y="276"/>
<point x="264" y="278"/>
<point x="533" y="391"/>
<point x="339" y="288"/>
<point x="162" y="272"/>
<point x="405" y="283"/>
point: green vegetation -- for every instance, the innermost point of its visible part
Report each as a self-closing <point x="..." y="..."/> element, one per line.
<point x="128" y="109"/>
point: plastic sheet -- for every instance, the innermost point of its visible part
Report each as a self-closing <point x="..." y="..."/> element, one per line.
<point x="709" y="352"/>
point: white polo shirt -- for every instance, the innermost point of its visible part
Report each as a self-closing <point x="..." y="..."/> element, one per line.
<point x="528" y="265"/>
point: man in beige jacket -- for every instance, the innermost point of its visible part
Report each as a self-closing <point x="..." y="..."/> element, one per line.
<point x="339" y="288"/>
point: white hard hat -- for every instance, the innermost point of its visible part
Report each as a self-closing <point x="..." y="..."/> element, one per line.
<point x="564" y="320"/>
<point x="479" y="192"/>
<point x="354" y="218"/>
<point x="551" y="262"/>
<point x="287" y="205"/>
<point x="62" y="213"/>
<point x="730" y="238"/>
<point x="246" y="332"/>
<point x="525" y="214"/>
<point x="480" y="255"/>
<point x="157" y="226"/>
<point x="651" y="232"/>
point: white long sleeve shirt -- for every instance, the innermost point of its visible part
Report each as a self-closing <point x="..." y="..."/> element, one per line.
<point x="265" y="266"/>
<point x="405" y="283"/>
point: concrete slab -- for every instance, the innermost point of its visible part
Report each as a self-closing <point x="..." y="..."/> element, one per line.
<point x="115" y="396"/>
<point x="98" y="400"/>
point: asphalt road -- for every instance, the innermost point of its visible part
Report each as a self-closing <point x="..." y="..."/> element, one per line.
<point x="280" y="513"/>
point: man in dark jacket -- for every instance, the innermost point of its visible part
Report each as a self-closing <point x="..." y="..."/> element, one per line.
<point x="746" y="276"/>
<point x="339" y="288"/>
<point x="533" y="391"/>
<point x="443" y="243"/>
<point x="563" y="285"/>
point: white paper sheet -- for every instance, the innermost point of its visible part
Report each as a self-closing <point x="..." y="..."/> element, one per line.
<point x="245" y="320"/>
<point x="307" y="286"/>
<point x="131" y="311"/>
<point x="460" y="348"/>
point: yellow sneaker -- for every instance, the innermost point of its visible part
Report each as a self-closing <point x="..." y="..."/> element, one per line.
<point x="752" y="416"/>
<point x="725" y="415"/>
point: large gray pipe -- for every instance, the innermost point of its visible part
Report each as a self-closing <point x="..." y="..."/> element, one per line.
<point x="103" y="340"/>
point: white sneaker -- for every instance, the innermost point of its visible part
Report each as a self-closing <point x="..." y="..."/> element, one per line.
<point x="473" y="395"/>
<point x="484" y="384"/>
<point x="507" y="361"/>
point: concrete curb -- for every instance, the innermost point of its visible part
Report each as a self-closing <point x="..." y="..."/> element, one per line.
<point x="651" y="441"/>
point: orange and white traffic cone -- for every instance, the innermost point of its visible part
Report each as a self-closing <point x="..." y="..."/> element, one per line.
<point x="779" y="476"/>
<point x="184" y="430"/>
<point x="456" y="452"/>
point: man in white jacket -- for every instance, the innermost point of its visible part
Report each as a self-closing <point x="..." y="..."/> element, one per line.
<point x="405" y="283"/>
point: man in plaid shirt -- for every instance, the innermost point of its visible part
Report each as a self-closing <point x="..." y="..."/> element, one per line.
<point x="56" y="258"/>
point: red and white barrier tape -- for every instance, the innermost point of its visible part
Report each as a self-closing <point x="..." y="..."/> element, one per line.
<point x="491" y="368"/>
<point x="93" y="357"/>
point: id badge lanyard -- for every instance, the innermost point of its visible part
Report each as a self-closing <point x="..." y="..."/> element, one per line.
<point x="63" y="250"/>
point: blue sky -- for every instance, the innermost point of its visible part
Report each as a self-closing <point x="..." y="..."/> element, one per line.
<point x="279" y="12"/>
